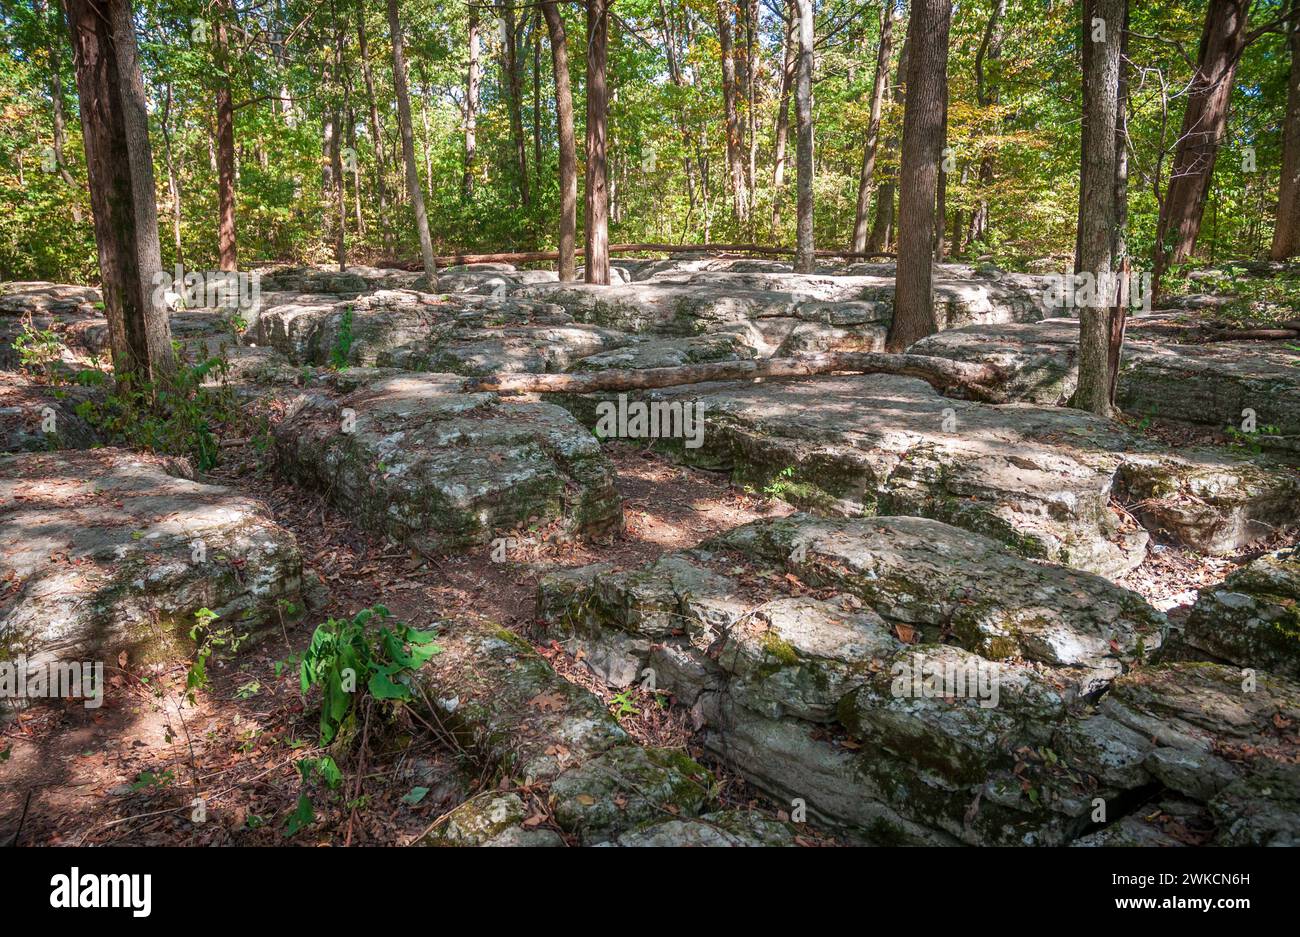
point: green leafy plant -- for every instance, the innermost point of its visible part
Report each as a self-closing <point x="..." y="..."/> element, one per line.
<point x="620" y="704"/>
<point x="781" y="484"/>
<point x="342" y="342"/>
<point x="39" y="351"/>
<point x="352" y="660"/>
<point x="208" y="641"/>
<point x="346" y="660"/>
<point x="176" y="415"/>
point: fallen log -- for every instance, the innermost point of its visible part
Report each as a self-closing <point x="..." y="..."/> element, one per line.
<point x="504" y="257"/>
<point x="1241" y="335"/>
<point x="983" y="382"/>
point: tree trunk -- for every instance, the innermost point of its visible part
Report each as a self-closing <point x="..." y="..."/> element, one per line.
<point x="987" y="94"/>
<point x="119" y="166"/>
<point x="735" y="164"/>
<point x="804" y="258"/>
<point x="783" y="116"/>
<point x="514" y="100"/>
<point x="408" y="145"/>
<point x="923" y="135"/>
<point x="1286" y="233"/>
<point x="957" y="378"/>
<point x="1103" y="22"/>
<point x="56" y="34"/>
<point x="226" y="243"/>
<point x="173" y="181"/>
<point x="883" y="224"/>
<point x="471" y="105"/>
<point x="1205" y="123"/>
<point x="596" y="269"/>
<point x="376" y="132"/>
<point x="873" y="126"/>
<point x="568" y="144"/>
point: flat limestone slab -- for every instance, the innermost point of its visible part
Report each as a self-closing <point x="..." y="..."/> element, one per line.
<point x="104" y="550"/>
<point x="1040" y="479"/>
<point x="446" y="471"/>
<point x="1208" y="384"/>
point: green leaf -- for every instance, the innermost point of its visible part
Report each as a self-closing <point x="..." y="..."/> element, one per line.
<point x="302" y="817"/>
<point x="415" y="795"/>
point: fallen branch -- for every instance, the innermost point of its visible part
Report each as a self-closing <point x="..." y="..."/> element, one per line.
<point x="648" y="248"/>
<point x="1240" y="335"/>
<point x="971" y="381"/>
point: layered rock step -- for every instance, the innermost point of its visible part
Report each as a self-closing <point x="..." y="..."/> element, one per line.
<point x="1040" y="479"/>
<point x="106" y="550"/>
<point x="915" y="683"/>
<point x="497" y="701"/>
<point x="1210" y="384"/>
<point x="443" y="471"/>
<point x="1252" y="619"/>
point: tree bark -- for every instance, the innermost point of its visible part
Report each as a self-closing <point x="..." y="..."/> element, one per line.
<point x="987" y="94"/>
<point x="472" y="77"/>
<point x="1286" y="232"/>
<point x="882" y="226"/>
<point x="173" y="181"/>
<point x="119" y="166"/>
<point x="376" y="131"/>
<point x="1205" y="123"/>
<point x="923" y="135"/>
<point x="735" y="164"/>
<point x="805" y="257"/>
<point x="596" y="269"/>
<point x="878" y="83"/>
<point x="783" y="116"/>
<point x="1103" y="22"/>
<point x="514" y="101"/>
<point x="568" y="142"/>
<point x="408" y="144"/>
<point x="966" y="379"/>
<point x="226" y="239"/>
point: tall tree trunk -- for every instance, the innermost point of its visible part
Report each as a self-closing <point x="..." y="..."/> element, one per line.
<point x="408" y="145"/>
<point x="1286" y="232"/>
<point x="1103" y="28"/>
<point x="514" y="100"/>
<point x="597" y="215"/>
<point x="173" y="180"/>
<point x="119" y="167"/>
<point x="376" y="132"/>
<point x="923" y="136"/>
<point x="987" y="94"/>
<point x="568" y="145"/>
<point x="735" y="164"/>
<point x="783" y="115"/>
<point x="805" y="260"/>
<point x="537" y="94"/>
<point x="882" y="226"/>
<point x="226" y="241"/>
<point x="56" y="34"/>
<point x="472" y="77"/>
<point x="873" y="126"/>
<point x="679" y="80"/>
<point x="1205" y="123"/>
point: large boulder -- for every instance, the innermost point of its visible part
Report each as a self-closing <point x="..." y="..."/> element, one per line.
<point x="105" y="550"/>
<point x="414" y="457"/>
<point x="1252" y="619"/>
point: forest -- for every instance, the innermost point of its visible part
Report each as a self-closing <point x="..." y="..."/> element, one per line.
<point x="816" y="423"/>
